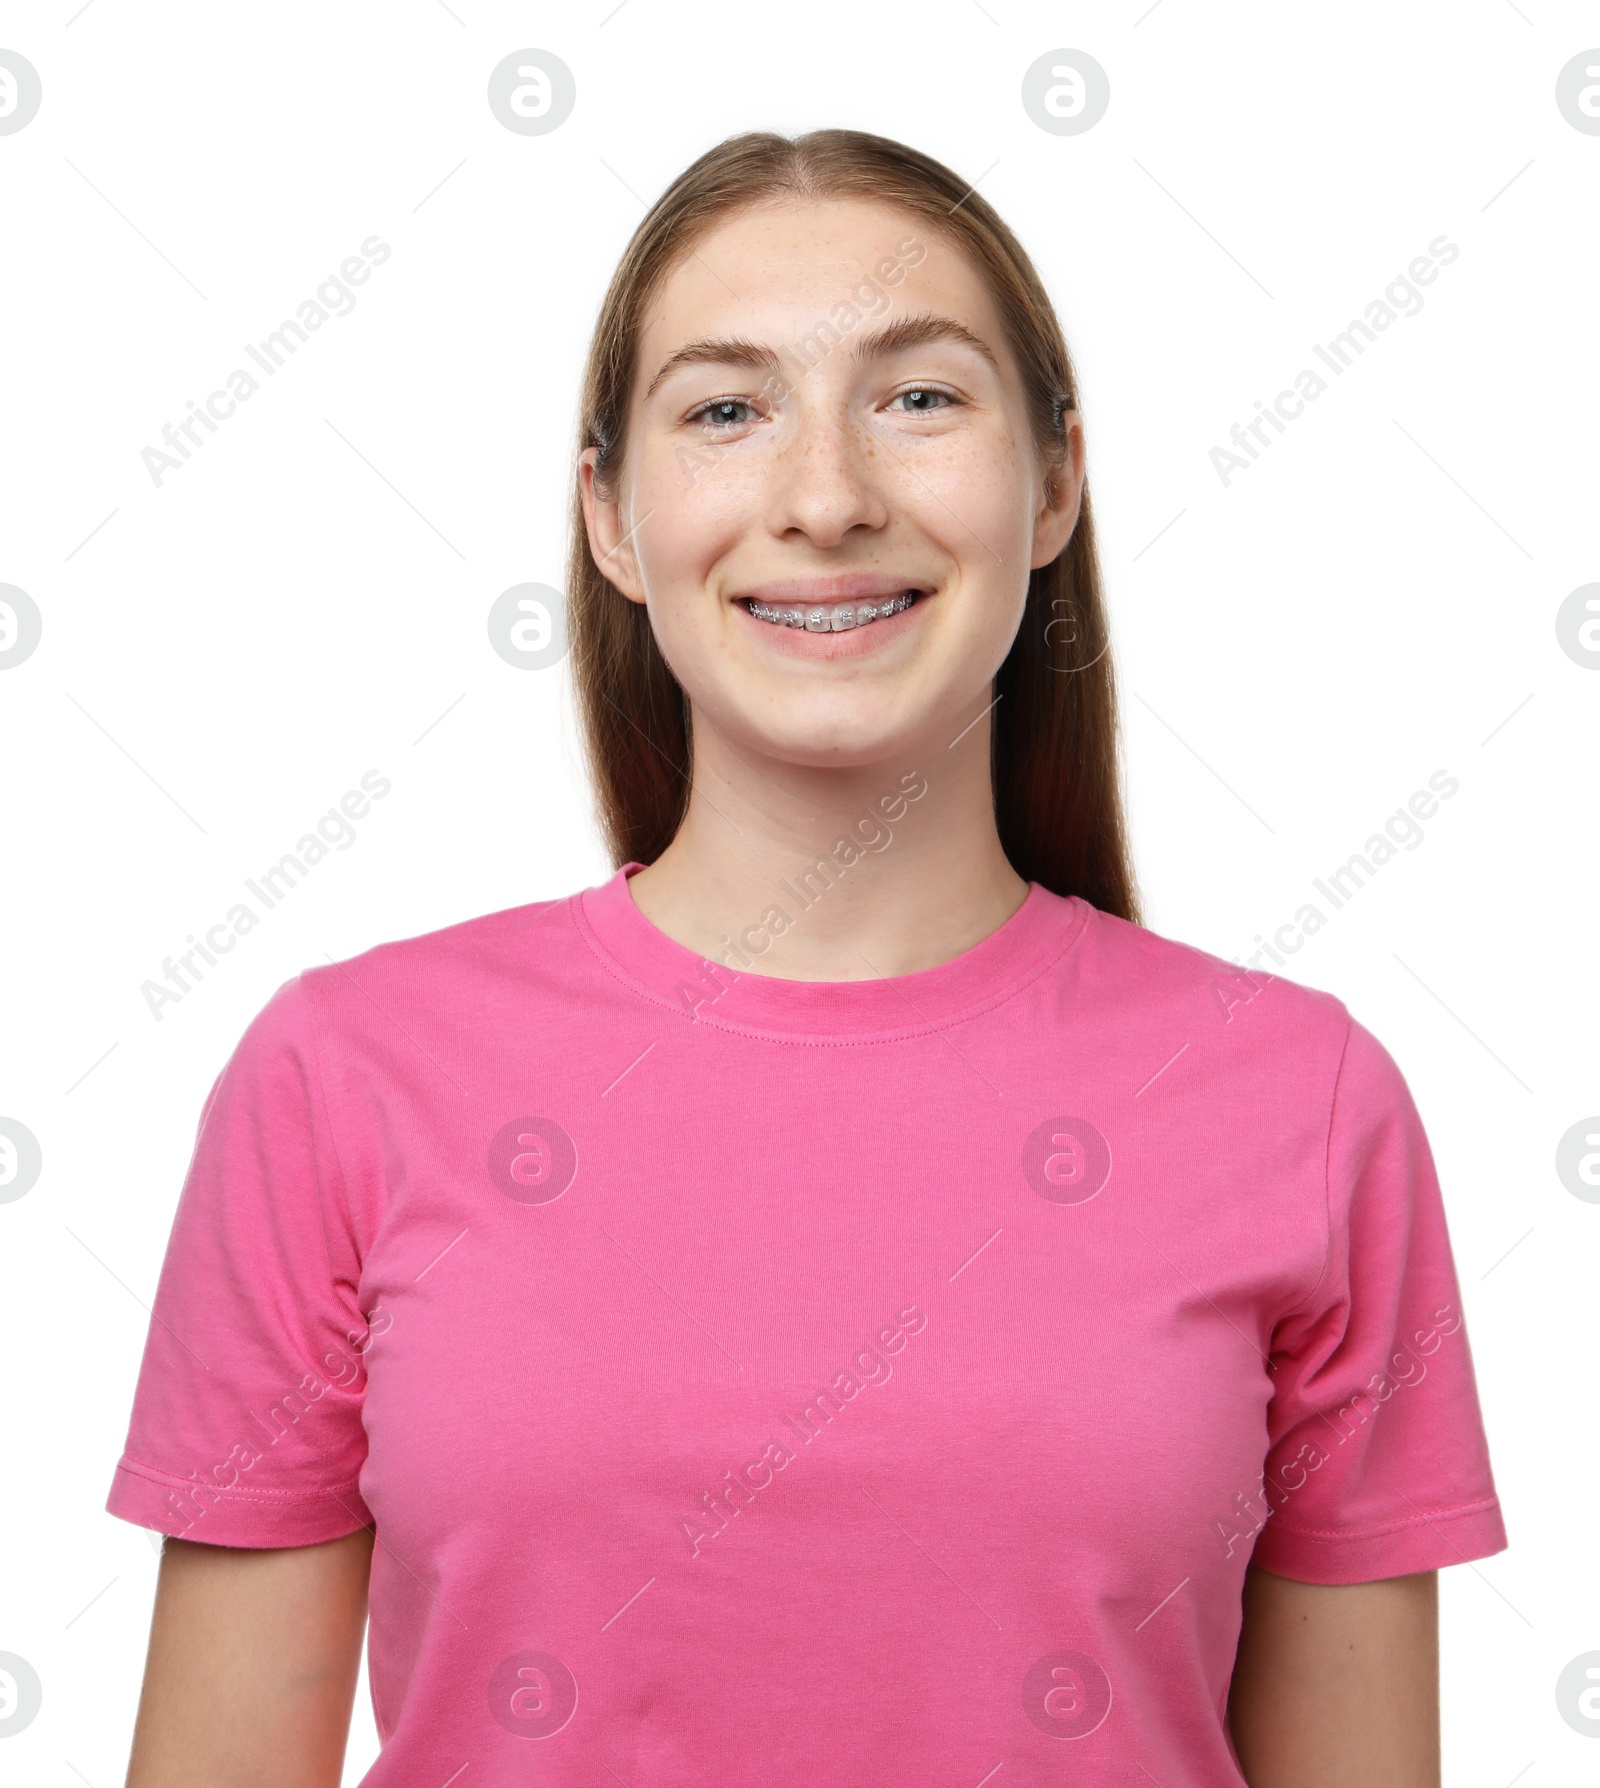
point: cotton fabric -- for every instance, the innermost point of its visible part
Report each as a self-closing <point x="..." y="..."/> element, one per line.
<point x="846" y="1384"/>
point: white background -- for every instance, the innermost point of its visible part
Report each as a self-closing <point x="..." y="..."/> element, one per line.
<point x="223" y="656"/>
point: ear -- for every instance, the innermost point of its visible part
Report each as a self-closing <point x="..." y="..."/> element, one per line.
<point x="1063" y="496"/>
<point x="610" y="537"/>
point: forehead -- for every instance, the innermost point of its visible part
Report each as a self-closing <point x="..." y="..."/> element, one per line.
<point x="777" y="269"/>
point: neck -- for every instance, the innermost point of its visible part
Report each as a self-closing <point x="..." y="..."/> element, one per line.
<point x="878" y="869"/>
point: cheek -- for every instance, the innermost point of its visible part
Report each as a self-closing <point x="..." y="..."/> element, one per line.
<point x="699" y="503"/>
<point x="972" y="492"/>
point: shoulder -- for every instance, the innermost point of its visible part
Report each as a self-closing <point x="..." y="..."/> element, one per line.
<point x="476" y="967"/>
<point x="1279" y="1025"/>
<point x="1265" y="1038"/>
<point x="486" y="937"/>
<point x="1150" y="971"/>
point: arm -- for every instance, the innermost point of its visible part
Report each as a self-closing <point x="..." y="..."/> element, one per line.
<point x="252" y="1668"/>
<point x="1337" y="1685"/>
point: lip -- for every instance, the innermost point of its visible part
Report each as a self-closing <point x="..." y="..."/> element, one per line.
<point x="849" y="586"/>
<point x="855" y="642"/>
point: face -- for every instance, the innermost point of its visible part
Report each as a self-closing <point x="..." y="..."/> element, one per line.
<point x="827" y="425"/>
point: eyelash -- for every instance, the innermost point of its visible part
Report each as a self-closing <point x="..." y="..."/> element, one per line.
<point x="700" y="413"/>
<point x="951" y="401"/>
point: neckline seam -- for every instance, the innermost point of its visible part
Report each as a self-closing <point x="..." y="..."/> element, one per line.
<point x="621" y="973"/>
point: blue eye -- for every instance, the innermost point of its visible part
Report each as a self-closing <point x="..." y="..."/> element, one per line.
<point x="923" y="400"/>
<point x="721" y="412"/>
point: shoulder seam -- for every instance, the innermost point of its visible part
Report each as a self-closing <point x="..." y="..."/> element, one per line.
<point x="327" y="1111"/>
<point x="1304" y="1303"/>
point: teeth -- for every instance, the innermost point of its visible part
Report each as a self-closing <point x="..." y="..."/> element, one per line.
<point x="839" y="617"/>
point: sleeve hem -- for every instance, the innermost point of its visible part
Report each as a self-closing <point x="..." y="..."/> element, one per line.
<point x="186" y="1509"/>
<point x="1427" y="1542"/>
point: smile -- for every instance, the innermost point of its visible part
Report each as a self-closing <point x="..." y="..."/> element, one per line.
<point x="831" y="617"/>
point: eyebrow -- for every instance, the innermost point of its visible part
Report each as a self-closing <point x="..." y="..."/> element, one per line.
<point x="916" y="332"/>
<point x="723" y="351"/>
<point x="908" y="332"/>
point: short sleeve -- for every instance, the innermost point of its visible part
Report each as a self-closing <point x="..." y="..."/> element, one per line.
<point x="246" y="1427"/>
<point x="1377" y="1463"/>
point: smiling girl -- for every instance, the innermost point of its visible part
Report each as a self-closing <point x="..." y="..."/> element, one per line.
<point x="1161" y="1416"/>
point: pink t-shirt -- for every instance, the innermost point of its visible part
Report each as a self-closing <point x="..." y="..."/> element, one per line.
<point x="831" y="1385"/>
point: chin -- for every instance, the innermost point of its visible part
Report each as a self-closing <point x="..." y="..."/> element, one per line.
<point x="829" y="741"/>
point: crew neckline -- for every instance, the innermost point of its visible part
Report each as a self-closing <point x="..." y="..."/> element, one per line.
<point x="669" y="974"/>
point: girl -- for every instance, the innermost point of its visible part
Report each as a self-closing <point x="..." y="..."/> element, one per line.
<point x="839" y="1302"/>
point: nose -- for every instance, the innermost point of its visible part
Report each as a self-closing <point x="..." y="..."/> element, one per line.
<point x="827" y="481"/>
